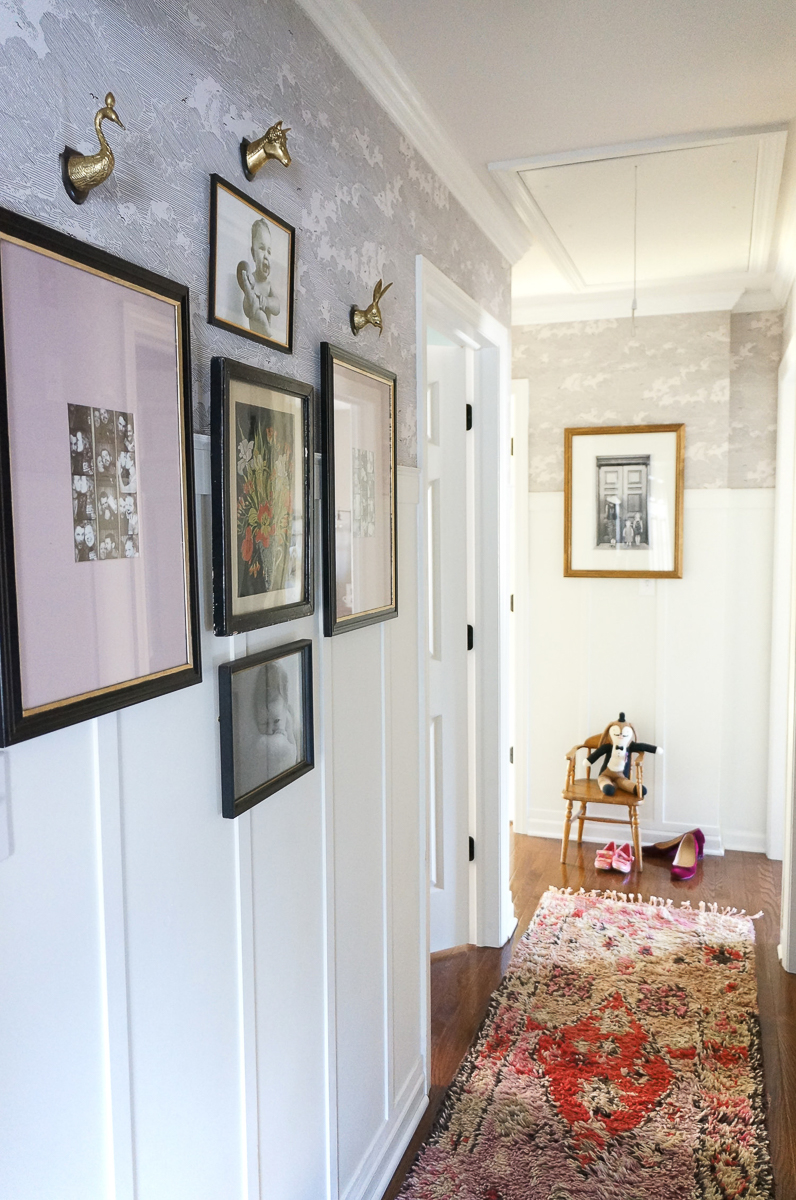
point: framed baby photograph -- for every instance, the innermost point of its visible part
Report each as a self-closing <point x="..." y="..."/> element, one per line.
<point x="252" y="256"/>
<point x="360" y="582"/>
<point x="623" y="501"/>
<point x="261" y="429"/>
<point x="98" y="583"/>
<point x="265" y="713"/>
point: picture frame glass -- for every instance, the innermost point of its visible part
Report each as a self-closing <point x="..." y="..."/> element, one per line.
<point x="364" y="490"/>
<point x="269" y="738"/>
<point x="97" y="447"/>
<point x="252" y="269"/>
<point x="266" y="462"/>
<point x="624" y="490"/>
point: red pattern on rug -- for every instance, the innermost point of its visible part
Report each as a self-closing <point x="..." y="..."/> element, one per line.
<point x="620" y="1060"/>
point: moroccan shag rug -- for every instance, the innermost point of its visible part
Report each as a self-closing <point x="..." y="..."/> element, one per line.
<point x="620" y="1060"/>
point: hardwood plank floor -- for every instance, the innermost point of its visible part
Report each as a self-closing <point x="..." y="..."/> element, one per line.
<point x="463" y="979"/>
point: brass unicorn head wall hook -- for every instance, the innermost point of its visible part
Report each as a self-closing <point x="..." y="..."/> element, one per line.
<point x="360" y="317"/>
<point x="273" y="144"/>
<point x="83" y="172"/>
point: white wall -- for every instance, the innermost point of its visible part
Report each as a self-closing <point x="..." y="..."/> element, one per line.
<point x="687" y="660"/>
<point x="199" y="1009"/>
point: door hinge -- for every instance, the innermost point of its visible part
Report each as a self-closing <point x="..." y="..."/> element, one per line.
<point x="472" y="849"/>
<point x="511" y="754"/>
<point x="512" y="602"/>
<point x="469" y="416"/>
<point x="512" y="445"/>
<point x="469" y="637"/>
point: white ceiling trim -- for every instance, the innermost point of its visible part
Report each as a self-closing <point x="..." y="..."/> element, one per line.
<point x="346" y="28"/>
<point x="630" y="149"/>
<point x="770" y="157"/>
<point x="707" y="294"/>
<point x="541" y="230"/>
<point x="755" y="290"/>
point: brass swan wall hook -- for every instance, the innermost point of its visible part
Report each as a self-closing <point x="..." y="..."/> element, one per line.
<point x="273" y="144"/>
<point x="82" y="172"/>
<point x="360" y="317"/>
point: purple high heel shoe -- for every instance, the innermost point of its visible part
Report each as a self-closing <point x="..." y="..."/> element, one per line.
<point x="669" y="849"/>
<point x="686" y="858"/>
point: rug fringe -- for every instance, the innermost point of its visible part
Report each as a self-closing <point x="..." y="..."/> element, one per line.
<point x="653" y="902"/>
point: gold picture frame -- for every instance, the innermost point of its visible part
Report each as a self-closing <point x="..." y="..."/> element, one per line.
<point x="623" y="501"/>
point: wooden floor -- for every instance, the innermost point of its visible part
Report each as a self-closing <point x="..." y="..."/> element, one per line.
<point x="462" y="980"/>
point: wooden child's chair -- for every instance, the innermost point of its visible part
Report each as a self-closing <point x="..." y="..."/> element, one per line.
<point x="587" y="791"/>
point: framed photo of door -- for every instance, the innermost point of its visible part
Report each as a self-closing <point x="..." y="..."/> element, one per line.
<point x="623" y="501"/>
<point x="360" y="583"/>
<point x="262" y="465"/>
<point x="98" y="586"/>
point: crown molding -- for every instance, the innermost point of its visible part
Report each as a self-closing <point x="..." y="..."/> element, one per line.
<point x="540" y="228"/>
<point x="685" y="141"/>
<point x="770" y="159"/>
<point x="349" y="32"/>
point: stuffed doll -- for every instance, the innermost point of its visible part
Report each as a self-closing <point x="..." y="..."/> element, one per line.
<point x="617" y="746"/>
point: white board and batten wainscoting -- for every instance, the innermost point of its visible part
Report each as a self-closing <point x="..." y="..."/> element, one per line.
<point x="687" y="659"/>
<point x="221" y="1009"/>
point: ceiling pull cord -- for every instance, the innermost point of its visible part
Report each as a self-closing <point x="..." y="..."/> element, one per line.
<point x="634" y="304"/>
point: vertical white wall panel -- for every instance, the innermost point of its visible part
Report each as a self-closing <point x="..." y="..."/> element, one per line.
<point x="181" y="925"/>
<point x="53" y="1063"/>
<point x="408" y="965"/>
<point x="359" y="849"/>
<point x="686" y="659"/>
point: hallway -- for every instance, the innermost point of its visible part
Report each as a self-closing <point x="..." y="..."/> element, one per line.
<point x="462" y="980"/>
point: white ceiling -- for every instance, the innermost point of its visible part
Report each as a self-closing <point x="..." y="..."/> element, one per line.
<point x="518" y="79"/>
<point x="695" y="211"/>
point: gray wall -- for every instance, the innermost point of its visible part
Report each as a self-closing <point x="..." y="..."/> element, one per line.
<point x="715" y="371"/>
<point x="190" y="81"/>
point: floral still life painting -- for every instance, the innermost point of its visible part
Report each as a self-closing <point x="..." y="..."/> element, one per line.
<point x="261" y="450"/>
<point x="266" y="537"/>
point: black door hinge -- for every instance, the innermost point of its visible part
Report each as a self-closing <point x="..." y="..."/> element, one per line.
<point x="469" y="416"/>
<point x="511" y="754"/>
<point x="472" y="849"/>
<point x="469" y="637"/>
<point x="512" y="602"/>
<point x="512" y="445"/>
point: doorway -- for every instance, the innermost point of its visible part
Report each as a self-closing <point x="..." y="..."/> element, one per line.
<point x="464" y="359"/>
<point x="449" y="636"/>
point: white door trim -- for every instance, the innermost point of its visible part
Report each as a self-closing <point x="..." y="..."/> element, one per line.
<point x="442" y="303"/>
<point x="781" y="831"/>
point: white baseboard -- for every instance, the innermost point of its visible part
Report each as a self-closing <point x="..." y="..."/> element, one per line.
<point x="552" y="827"/>
<point x="387" y="1148"/>
<point x="744" y="839"/>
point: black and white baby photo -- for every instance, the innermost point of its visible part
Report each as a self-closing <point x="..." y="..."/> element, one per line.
<point x="267" y="722"/>
<point x="252" y="270"/>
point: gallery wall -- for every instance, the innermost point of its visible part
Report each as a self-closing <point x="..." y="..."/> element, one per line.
<point x="194" y="1007"/>
<point x="687" y="659"/>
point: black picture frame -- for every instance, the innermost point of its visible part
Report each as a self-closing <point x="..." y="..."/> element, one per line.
<point x="233" y="801"/>
<point x="335" y="619"/>
<point x="221" y="190"/>
<point x="20" y="720"/>
<point x="225" y="373"/>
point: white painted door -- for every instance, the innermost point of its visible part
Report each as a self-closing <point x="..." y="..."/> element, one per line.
<point x="449" y="767"/>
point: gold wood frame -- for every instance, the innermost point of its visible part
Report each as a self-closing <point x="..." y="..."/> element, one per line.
<point x="596" y="430"/>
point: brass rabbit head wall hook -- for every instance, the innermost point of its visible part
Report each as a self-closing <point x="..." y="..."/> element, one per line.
<point x="360" y="317"/>
<point x="273" y="144"/>
<point x="83" y="172"/>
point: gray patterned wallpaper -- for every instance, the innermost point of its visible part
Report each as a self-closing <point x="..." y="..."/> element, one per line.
<point x="755" y="353"/>
<point x="716" y="372"/>
<point x="190" y="80"/>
